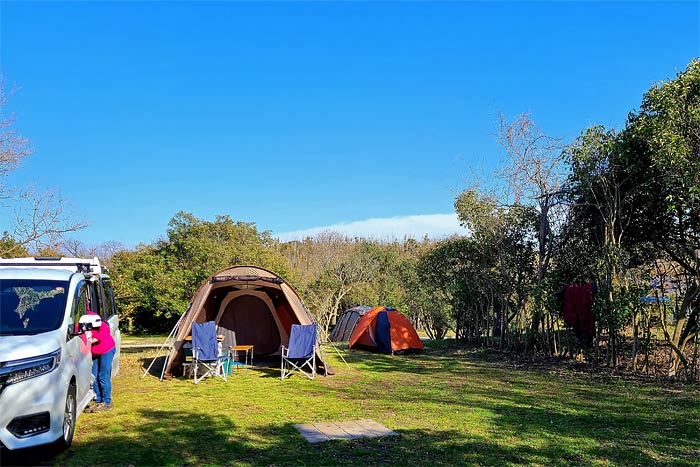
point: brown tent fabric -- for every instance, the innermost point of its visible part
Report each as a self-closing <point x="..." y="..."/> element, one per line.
<point x="256" y="304"/>
<point x="387" y="330"/>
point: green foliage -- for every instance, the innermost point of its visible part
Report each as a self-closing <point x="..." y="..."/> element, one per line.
<point x="447" y="273"/>
<point x="201" y="248"/>
<point x="391" y="283"/>
<point x="666" y="134"/>
<point x="479" y="212"/>
<point x="336" y="273"/>
<point x="496" y="267"/>
<point x="155" y="283"/>
<point x="10" y="248"/>
<point x="150" y="289"/>
<point x="636" y="199"/>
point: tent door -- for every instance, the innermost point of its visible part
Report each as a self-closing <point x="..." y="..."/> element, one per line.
<point x="253" y="322"/>
<point x="382" y="333"/>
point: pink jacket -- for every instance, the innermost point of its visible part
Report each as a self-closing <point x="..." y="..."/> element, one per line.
<point x="105" y="341"/>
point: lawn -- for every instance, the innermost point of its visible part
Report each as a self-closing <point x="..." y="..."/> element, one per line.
<point x="450" y="407"/>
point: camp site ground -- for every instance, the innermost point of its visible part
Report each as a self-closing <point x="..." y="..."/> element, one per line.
<point x="449" y="407"/>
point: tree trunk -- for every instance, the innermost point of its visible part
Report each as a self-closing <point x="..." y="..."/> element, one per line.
<point x="682" y="334"/>
<point x="635" y="333"/>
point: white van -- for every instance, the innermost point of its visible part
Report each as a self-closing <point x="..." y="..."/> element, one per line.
<point x="45" y="361"/>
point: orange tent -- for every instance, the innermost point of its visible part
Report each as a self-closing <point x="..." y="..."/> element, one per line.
<point x="385" y="330"/>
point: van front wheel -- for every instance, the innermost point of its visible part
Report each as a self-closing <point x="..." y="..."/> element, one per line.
<point x="69" y="415"/>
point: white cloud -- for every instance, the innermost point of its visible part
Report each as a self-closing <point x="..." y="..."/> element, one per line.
<point x="389" y="228"/>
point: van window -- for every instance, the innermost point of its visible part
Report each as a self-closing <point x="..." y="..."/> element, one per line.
<point x="80" y="304"/>
<point x="95" y="297"/>
<point x="108" y="302"/>
<point x="30" y="306"/>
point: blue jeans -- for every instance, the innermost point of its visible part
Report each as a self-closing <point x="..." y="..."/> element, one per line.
<point x="102" y="373"/>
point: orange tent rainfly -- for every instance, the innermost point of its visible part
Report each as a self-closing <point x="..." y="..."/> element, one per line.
<point x="385" y="330"/>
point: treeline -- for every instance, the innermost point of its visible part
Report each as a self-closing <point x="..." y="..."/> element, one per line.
<point x="616" y="209"/>
<point x="331" y="272"/>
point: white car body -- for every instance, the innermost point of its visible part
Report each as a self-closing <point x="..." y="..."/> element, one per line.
<point x="46" y="376"/>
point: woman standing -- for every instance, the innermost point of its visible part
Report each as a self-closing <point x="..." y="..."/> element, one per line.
<point x="103" y="350"/>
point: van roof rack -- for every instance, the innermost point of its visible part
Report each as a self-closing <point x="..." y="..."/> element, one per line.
<point x="84" y="265"/>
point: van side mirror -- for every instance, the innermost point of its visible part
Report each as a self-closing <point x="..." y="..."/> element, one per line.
<point x="75" y="329"/>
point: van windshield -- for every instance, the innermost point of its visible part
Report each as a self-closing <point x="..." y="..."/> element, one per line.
<point x="31" y="306"/>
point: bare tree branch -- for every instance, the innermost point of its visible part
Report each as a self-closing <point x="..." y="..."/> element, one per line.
<point x="38" y="220"/>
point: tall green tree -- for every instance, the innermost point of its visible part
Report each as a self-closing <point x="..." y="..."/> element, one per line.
<point x="666" y="133"/>
<point x="636" y="195"/>
<point x="506" y="239"/>
<point x="605" y="187"/>
<point x="154" y="283"/>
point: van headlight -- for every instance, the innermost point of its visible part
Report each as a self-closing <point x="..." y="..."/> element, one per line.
<point x="27" y="368"/>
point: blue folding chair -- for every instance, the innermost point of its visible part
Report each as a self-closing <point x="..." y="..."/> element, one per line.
<point x="206" y="352"/>
<point x="301" y="354"/>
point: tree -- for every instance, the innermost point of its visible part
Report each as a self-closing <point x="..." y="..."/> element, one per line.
<point x="666" y="133"/>
<point x="32" y="219"/>
<point x="456" y="279"/>
<point x="636" y="194"/>
<point x="535" y="170"/>
<point x="332" y="267"/>
<point x="504" y="237"/>
<point x="11" y="248"/>
<point x="200" y="248"/>
<point x="104" y="251"/>
<point x="605" y="187"/>
<point x="150" y="289"/>
<point x="154" y="283"/>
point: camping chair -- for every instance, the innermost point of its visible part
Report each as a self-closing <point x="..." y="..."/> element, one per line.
<point x="301" y="354"/>
<point x="206" y="352"/>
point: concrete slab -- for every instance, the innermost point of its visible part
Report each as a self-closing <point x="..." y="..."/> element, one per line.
<point x="355" y="429"/>
<point x="324" y="431"/>
<point x="311" y="433"/>
<point x="376" y="428"/>
<point x="334" y="430"/>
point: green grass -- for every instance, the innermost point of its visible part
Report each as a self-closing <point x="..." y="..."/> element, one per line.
<point x="450" y="407"/>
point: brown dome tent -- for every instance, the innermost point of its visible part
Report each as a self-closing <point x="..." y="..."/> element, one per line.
<point x="256" y="304"/>
<point x="385" y="330"/>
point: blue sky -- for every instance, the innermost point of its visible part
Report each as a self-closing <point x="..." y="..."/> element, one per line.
<point x="298" y="116"/>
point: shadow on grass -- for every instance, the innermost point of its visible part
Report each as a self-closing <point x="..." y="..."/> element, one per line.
<point x="154" y="364"/>
<point x="514" y="418"/>
<point x="168" y="437"/>
<point x="454" y="447"/>
<point x="179" y="438"/>
<point x="159" y="437"/>
<point x="584" y="421"/>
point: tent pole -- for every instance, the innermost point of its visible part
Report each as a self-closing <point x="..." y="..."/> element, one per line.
<point x="173" y="333"/>
<point x="318" y="332"/>
<point x="335" y="348"/>
<point x="167" y="343"/>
